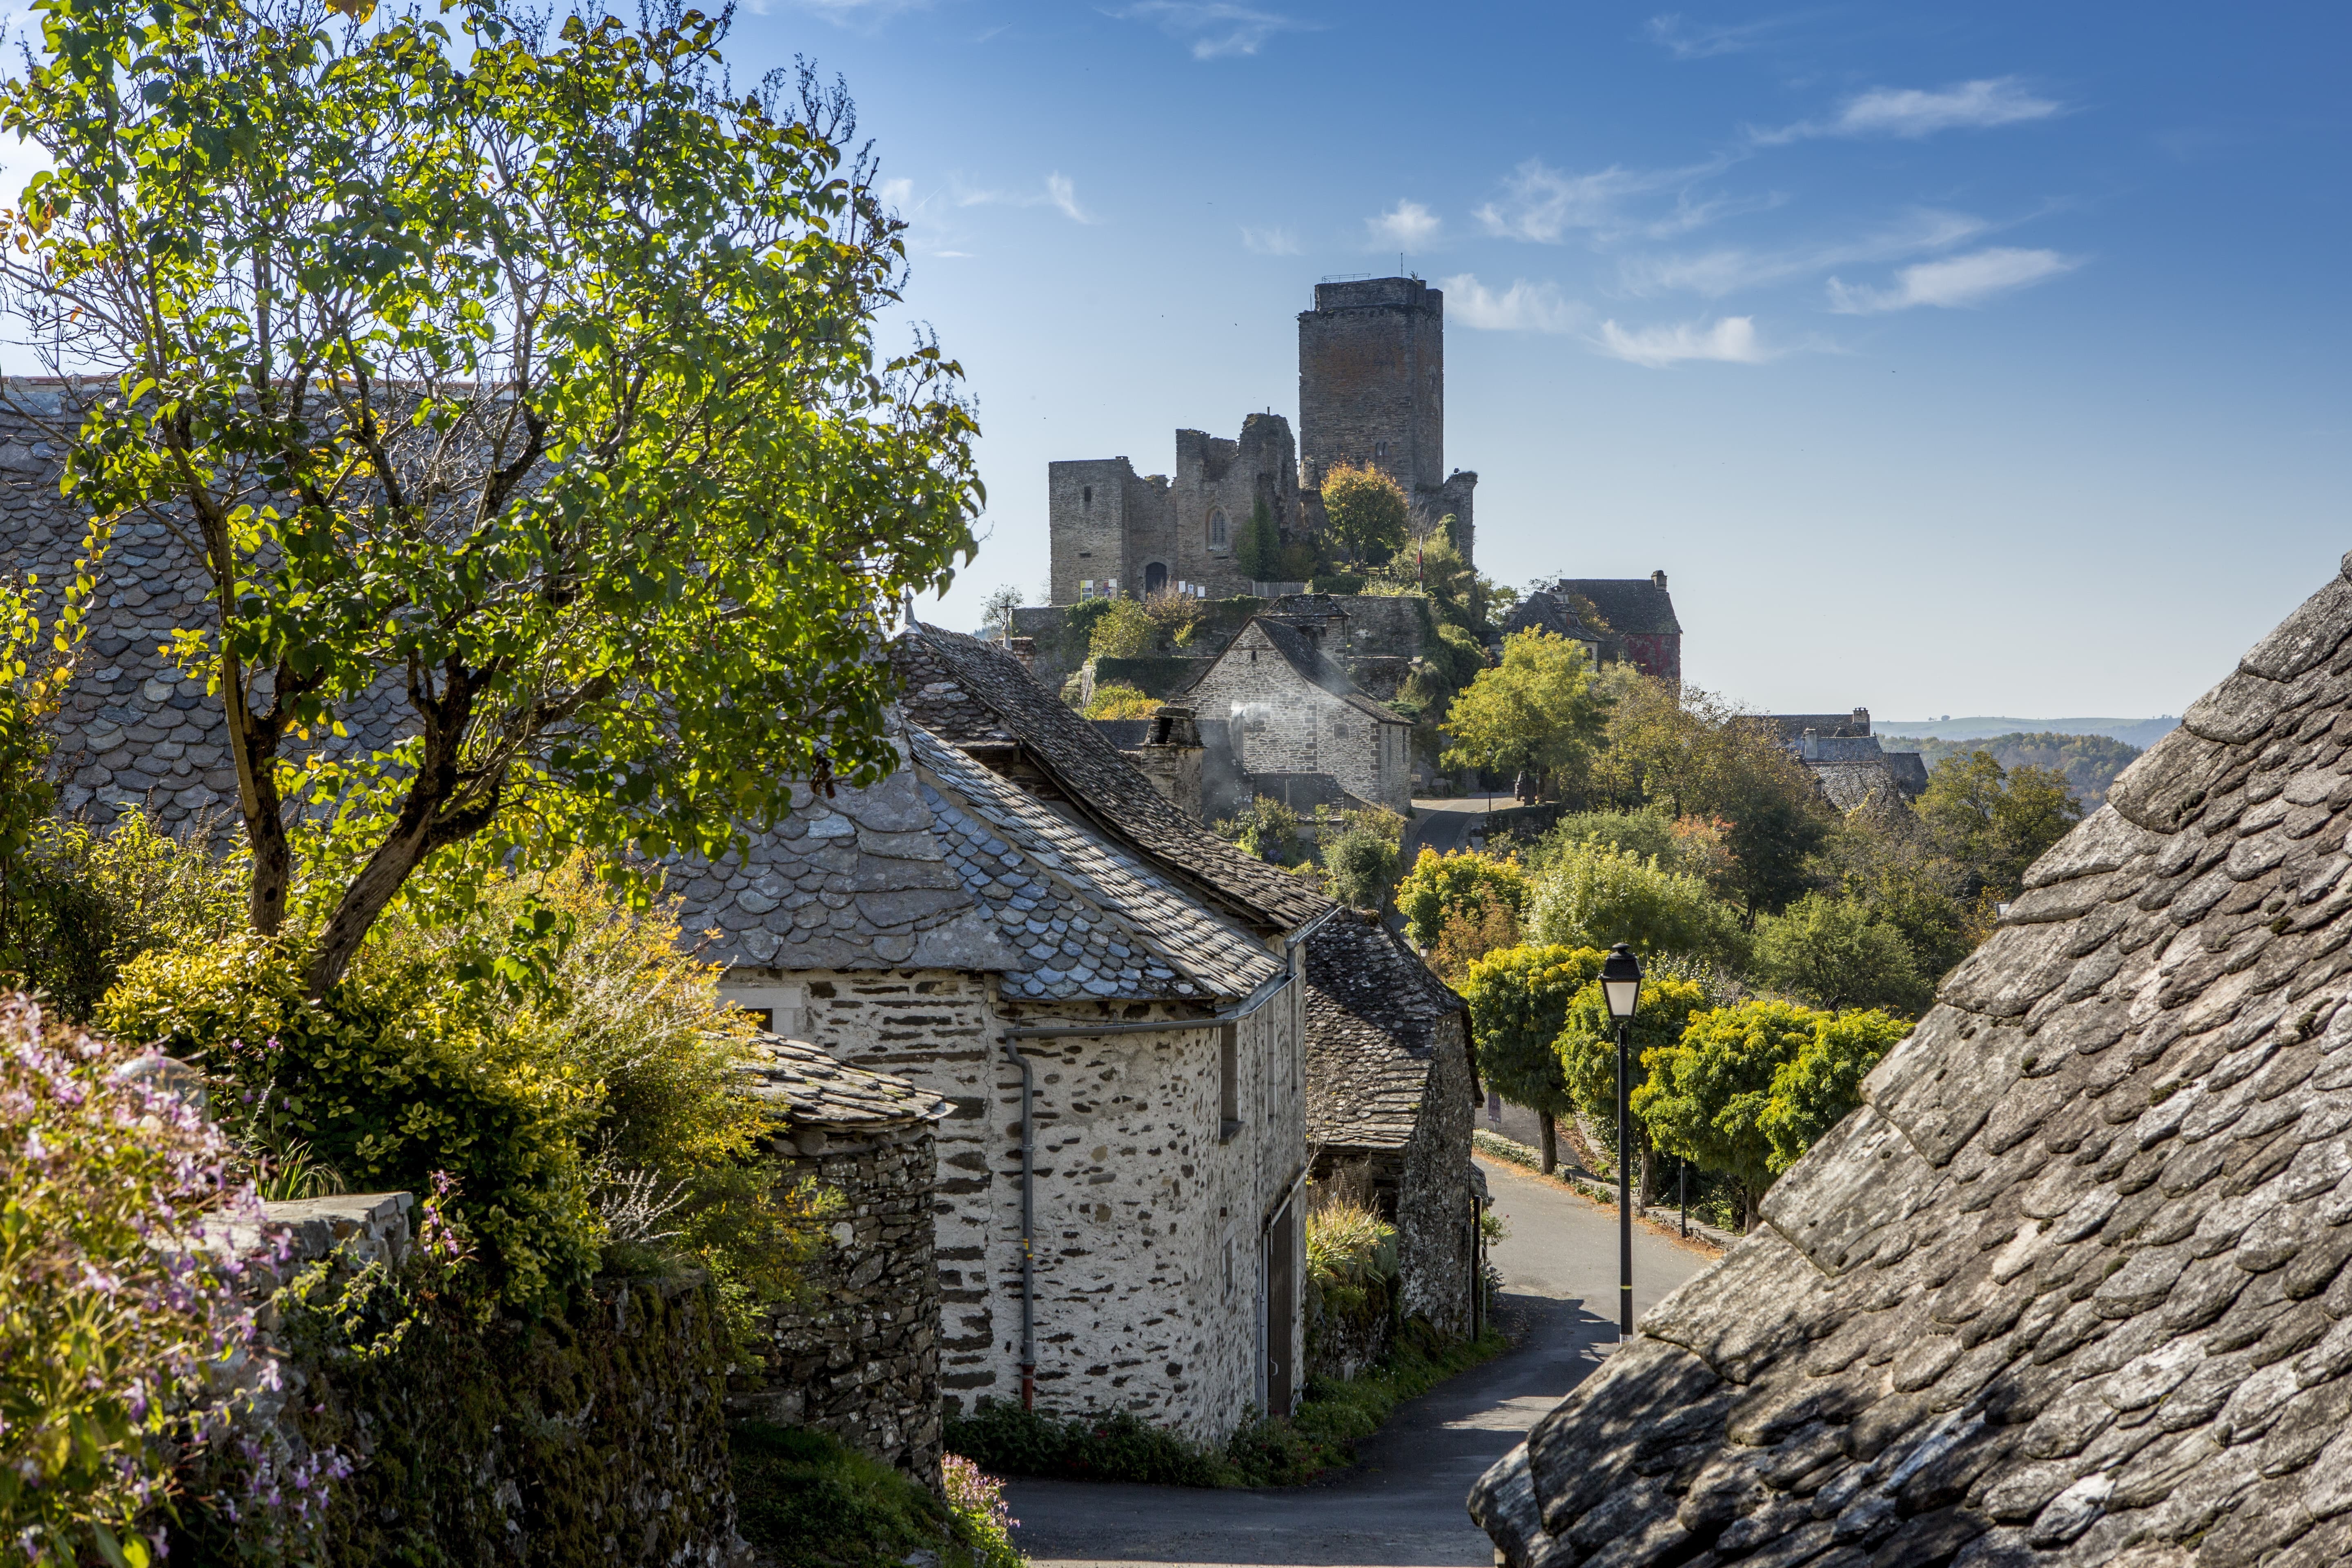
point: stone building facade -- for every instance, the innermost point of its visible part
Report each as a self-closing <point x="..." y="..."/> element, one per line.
<point x="1149" y="533"/>
<point x="1018" y="921"/>
<point x="1392" y="1091"/>
<point x="1275" y="705"/>
<point x="1846" y="760"/>
<point x="859" y="1355"/>
<point x="1372" y="392"/>
<point x="2073" y="1285"/>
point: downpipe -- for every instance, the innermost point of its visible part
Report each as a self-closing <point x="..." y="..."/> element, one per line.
<point x="1028" y="1234"/>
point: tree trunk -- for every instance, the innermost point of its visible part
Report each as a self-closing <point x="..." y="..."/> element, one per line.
<point x="1550" y="1141"/>
<point x="1649" y="1172"/>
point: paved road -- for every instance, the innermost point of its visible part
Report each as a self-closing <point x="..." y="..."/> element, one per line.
<point x="1403" y="1503"/>
<point x="1444" y="825"/>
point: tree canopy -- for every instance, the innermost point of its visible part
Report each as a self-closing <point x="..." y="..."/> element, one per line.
<point x="1455" y="884"/>
<point x="1587" y="1043"/>
<point x="1366" y="515"/>
<point x="1996" y="821"/>
<point x="1537" y="709"/>
<point x="1519" y="1000"/>
<point x="1593" y="895"/>
<point x="527" y="375"/>
<point x="1837" y="952"/>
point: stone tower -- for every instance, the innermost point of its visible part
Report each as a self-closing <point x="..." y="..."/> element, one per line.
<point x="1371" y="390"/>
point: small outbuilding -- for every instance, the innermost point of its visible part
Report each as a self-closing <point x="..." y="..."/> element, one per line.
<point x="1391" y="1093"/>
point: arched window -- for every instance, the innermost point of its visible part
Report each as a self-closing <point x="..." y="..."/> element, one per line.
<point x="1218" y="532"/>
<point x="1155" y="578"/>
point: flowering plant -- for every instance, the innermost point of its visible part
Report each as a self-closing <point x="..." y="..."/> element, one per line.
<point x="120" y="1296"/>
<point x="983" y="1522"/>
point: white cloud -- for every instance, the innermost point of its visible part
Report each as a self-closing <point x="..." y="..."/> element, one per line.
<point x="847" y="13"/>
<point x="1728" y="269"/>
<point x="1269" y="241"/>
<point x="1958" y="280"/>
<point x="1910" y="112"/>
<point x="1543" y="205"/>
<point x="1065" y="197"/>
<point x="1217" y="29"/>
<point x="1410" y="228"/>
<point x="1524" y="307"/>
<point x="1730" y="339"/>
<point x="1688" y="42"/>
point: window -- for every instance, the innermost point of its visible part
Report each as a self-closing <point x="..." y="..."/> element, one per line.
<point x="1229" y="1083"/>
<point x="1217" y="529"/>
<point x="1087" y="496"/>
<point x="1379" y="448"/>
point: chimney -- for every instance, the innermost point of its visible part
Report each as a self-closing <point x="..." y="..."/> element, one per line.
<point x="1659" y="578"/>
<point x="1861" y="721"/>
<point x="1026" y="650"/>
<point x="1171" y="757"/>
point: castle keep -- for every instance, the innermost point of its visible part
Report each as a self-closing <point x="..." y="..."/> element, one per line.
<point x="1372" y="391"/>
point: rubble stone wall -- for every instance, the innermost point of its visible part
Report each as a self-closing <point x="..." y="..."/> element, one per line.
<point x="1438" y="1237"/>
<point x="1278" y="721"/>
<point x="859" y="1356"/>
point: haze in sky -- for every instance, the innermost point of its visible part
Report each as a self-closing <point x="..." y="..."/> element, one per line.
<point x="1982" y="359"/>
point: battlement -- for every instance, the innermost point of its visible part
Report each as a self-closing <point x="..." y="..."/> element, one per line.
<point x="1379" y="293"/>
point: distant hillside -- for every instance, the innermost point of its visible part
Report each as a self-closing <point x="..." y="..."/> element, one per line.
<point x="2140" y="733"/>
<point x="2089" y="761"/>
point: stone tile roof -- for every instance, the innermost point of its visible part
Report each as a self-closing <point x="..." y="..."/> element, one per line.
<point x="807" y="1088"/>
<point x="1374" y="1013"/>
<point x="2070" y="1288"/>
<point x="978" y="698"/>
<point x="858" y="881"/>
<point x="1849" y="783"/>
<point x="1792" y="726"/>
<point x="1319" y="670"/>
<point x="1090" y="918"/>
<point x="1635" y="606"/>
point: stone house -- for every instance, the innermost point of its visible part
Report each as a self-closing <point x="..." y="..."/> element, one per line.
<point x="860" y="1357"/>
<point x="1846" y="760"/>
<point x="1106" y="996"/>
<point x="1275" y="705"/>
<point x="2070" y="1285"/>
<point x="1636" y="616"/>
<point x="1391" y="1093"/>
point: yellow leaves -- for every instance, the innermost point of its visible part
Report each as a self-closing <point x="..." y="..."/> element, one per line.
<point x="357" y="10"/>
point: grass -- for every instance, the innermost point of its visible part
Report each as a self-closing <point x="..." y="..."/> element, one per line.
<point x="1282" y="1451"/>
<point x="805" y="1501"/>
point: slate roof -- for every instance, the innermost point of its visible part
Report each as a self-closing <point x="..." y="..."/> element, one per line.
<point x="1318" y="668"/>
<point x="1792" y="726"/>
<point x="1635" y="606"/>
<point x="1849" y="783"/>
<point x="1090" y="918"/>
<point x="2069" y="1288"/>
<point x="808" y="1088"/>
<point x="1375" y="1018"/>
<point x="978" y="698"/>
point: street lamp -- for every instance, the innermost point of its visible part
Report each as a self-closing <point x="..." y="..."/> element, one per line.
<point x="1620" y="984"/>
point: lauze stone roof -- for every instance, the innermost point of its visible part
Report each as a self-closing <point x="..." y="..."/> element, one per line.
<point x="807" y="1088"/>
<point x="1375" y="1018"/>
<point x="2070" y="1288"/>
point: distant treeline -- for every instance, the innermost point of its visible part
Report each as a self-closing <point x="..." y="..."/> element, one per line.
<point x="2089" y="761"/>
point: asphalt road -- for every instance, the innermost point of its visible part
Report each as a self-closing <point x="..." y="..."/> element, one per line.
<point x="1403" y="1503"/>
<point x="1444" y="825"/>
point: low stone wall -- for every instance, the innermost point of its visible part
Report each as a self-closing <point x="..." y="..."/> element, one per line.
<point x="859" y="1357"/>
<point x="1345" y="1344"/>
<point x="598" y="1437"/>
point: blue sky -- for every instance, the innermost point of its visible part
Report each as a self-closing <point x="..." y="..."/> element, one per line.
<point x="1982" y="359"/>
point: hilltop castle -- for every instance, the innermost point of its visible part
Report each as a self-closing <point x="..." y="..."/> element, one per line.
<point x="1372" y="392"/>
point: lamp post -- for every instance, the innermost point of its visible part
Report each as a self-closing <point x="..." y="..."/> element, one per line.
<point x="1620" y="984"/>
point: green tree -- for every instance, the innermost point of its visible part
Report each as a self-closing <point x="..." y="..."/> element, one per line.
<point x="996" y="616"/>
<point x="1360" y="863"/>
<point x="1836" y="953"/>
<point x="1537" y="709"/>
<point x="1690" y="752"/>
<point x="1455" y="884"/>
<point x="1519" y="1000"/>
<point x="1587" y="1046"/>
<point x="1126" y="630"/>
<point x="1120" y="699"/>
<point x="526" y="373"/>
<point x="1818" y="1089"/>
<point x="1365" y="513"/>
<point x="1997" y="821"/>
<point x="2089" y="761"/>
<point x="1258" y="552"/>
<point x="31" y="684"/>
<point x="1881" y="854"/>
<point x="1265" y="829"/>
<point x="1592" y="895"/>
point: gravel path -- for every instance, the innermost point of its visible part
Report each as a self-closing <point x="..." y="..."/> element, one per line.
<point x="1403" y="1503"/>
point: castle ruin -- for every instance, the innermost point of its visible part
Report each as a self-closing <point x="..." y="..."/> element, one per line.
<point x="1372" y="392"/>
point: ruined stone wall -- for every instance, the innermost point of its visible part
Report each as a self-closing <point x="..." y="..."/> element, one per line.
<point x="859" y="1356"/>
<point x="1103" y="519"/>
<point x="1371" y="380"/>
<point x="1436" y="1230"/>
<point x="1149" y="1230"/>
<point x="1217" y="476"/>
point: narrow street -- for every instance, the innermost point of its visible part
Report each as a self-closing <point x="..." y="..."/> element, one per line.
<point x="1403" y="1503"/>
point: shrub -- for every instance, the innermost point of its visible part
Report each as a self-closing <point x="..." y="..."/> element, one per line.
<point x="1119" y="699"/>
<point x="1441" y="887"/>
<point x="117" y="892"/>
<point x="390" y="1078"/>
<point x="1265" y="829"/>
<point x="116" y="1301"/>
<point x="1587" y="1045"/>
<point x="1120" y="1446"/>
<point x="1351" y="1253"/>
<point x="1124" y="631"/>
<point x="805" y="1499"/>
<point x="1175" y="615"/>
<point x="1836" y="953"/>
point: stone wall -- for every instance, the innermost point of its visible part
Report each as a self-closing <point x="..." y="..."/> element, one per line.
<point x="1436" y="1220"/>
<point x="1279" y="722"/>
<point x="598" y="1437"/>
<point x="1372" y="380"/>
<point x="859" y="1356"/>
<point x="1151" y="1228"/>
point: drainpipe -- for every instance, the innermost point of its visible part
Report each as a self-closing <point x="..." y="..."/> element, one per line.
<point x="1028" y="1238"/>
